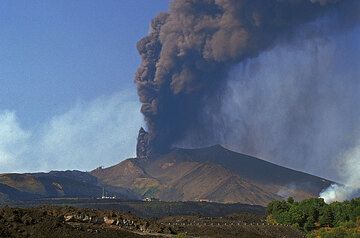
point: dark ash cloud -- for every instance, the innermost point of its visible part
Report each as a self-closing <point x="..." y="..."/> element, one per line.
<point x="189" y="51"/>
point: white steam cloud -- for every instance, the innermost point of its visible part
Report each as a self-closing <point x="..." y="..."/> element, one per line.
<point x="12" y="139"/>
<point x="90" y="134"/>
<point x="349" y="166"/>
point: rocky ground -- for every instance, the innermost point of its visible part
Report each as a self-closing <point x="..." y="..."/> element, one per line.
<point x="56" y="221"/>
<point x="240" y="225"/>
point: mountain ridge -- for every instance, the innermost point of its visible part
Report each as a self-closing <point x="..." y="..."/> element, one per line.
<point x="200" y="174"/>
<point x="206" y="174"/>
<point x="16" y="187"/>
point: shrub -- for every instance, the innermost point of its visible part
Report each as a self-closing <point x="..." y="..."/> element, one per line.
<point x="312" y="214"/>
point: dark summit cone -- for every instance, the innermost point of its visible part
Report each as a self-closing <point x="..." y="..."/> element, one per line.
<point x="143" y="147"/>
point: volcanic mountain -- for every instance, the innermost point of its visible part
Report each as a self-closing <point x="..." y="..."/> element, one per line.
<point x="210" y="174"/>
<point x="207" y="174"/>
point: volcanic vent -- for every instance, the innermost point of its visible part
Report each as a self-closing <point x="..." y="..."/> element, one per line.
<point x="142" y="147"/>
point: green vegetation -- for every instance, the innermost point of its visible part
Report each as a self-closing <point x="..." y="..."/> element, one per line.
<point x="180" y="235"/>
<point x="318" y="219"/>
<point x="337" y="232"/>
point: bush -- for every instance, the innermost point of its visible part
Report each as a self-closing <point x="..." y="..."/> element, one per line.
<point x="327" y="217"/>
<point x="335" y="233"/>
<point x="312" y="214"/>
<point x="310" y="224"/>
<point x="180" y="235"/>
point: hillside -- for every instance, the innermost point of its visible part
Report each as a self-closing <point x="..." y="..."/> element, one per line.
<point x="210" y="174"/>
<point x="55" y="184"/>
<point x="207" y="174"/>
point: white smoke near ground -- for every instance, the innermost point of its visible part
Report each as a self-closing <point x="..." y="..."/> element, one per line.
<point x="287" y="191"/>
<point x="88" y="135"/>
<point x="337" y="193"/>
<point x="349" y="166"/>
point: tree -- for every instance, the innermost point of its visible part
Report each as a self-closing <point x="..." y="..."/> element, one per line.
<point x="327" y="217"/>
<point x="312" y="207"/>
<point x="309" y="224"/>
<point x="296" y="216"/>
<point x="277" y="207"/>
<point x="290" y="200"/>
<point x="341" y="211"/>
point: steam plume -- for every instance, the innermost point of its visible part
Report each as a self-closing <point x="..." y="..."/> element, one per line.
<point x="350" y="167"/>
<point x="187" y="55"/>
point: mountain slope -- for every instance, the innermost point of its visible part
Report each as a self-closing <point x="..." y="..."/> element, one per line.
<point x="210" y="174"/>
<point x="214" y="174"/>
<point x="55" y="184"/>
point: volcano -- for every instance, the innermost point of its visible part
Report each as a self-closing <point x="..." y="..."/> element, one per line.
<point x="210" y="174"/>
<point x="213" y="174"/>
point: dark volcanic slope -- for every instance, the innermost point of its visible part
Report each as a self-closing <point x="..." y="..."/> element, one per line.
<point x="253" y="168"/>
<point x="212" y="173"/>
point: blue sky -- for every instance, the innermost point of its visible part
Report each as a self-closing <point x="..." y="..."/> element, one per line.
<point x="62" y="62"/>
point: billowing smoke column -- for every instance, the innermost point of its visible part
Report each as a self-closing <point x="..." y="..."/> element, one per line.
<point x="187" y="54"/>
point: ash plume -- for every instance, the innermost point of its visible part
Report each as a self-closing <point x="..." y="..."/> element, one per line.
<point x="189" y="51"/>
